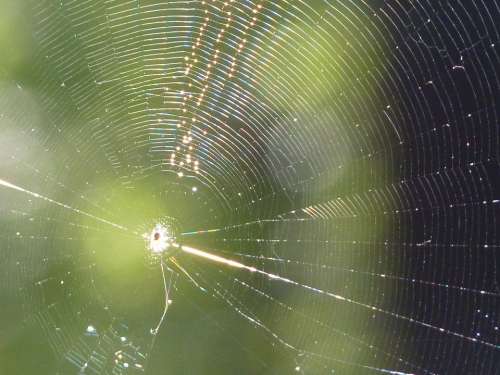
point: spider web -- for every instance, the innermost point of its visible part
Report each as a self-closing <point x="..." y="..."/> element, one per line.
<point x="344" y="153"/>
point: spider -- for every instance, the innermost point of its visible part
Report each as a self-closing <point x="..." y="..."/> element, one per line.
<point x="161" y="242"/>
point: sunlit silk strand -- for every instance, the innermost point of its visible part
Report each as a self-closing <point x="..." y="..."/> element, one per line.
<point x="236" y="264"/>
<point x="36" y="195"/>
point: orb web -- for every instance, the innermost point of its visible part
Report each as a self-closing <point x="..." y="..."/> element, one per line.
<point x="334" y="165"/>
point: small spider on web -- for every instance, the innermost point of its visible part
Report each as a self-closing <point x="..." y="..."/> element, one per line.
<point x="162" y="245"/>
